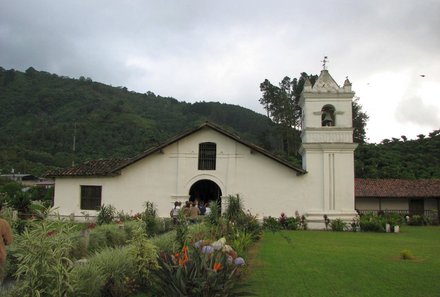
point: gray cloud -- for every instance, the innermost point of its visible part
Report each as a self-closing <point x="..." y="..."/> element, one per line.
<point x="412" y="109"/>
<point x="219" y="50"/>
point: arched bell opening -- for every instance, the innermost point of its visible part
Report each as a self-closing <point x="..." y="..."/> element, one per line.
<point x="328" y="116"/>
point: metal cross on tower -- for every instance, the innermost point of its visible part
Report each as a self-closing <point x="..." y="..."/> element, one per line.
<point x="324" y="63"/>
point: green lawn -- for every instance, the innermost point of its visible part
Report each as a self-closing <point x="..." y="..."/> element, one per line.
<point x="318" y="263"/>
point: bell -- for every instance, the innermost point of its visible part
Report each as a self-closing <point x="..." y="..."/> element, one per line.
<point x="327" y="121"/>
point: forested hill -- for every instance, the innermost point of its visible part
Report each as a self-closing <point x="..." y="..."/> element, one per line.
<point x="400" y="158"/>
<point x="40" y="112"/>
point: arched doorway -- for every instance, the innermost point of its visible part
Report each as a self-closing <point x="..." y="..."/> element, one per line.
<point x="205" y="190"/>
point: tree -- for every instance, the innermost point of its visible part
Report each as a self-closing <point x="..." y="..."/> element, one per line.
<point x="281" y="104"/>
<point x="360" y="119"/>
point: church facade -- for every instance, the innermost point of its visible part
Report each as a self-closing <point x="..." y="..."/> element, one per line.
<point x="209" y="163"/>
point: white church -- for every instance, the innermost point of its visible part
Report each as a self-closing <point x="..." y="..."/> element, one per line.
<point x="209" y="163"/>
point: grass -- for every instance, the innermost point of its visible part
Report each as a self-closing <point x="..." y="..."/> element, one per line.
<point x="318" y="263"/>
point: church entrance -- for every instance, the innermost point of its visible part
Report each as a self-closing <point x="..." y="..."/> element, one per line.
<point x="205" y="191"/>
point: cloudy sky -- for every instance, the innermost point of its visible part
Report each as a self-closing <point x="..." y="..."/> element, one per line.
<point x="198" y="50"/>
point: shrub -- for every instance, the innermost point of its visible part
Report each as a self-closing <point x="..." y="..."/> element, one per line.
<point x="303" y="222"/>
<point x="282" y="220"/>
<point x="372" y="223"/>
<point x="271" y="224"/>
<point x="10" y="289"/>
<point x="164" y="225"/>
<point x="149" y="216"/>
<point x="106" y="214"/>
<point x="198" y="231"/>
<point x="338" y="225"/>
<point x="6" y="213"/>
<point x="42" y="257"/>
<point x="249" y="224"/>
<point x="40" y="210"/>
<point x="417" y="220"/>
<point x="118" y="270"/>
<point x="109" y="235"/>
<point x="182" y="230"/>
<point x="111" y="272"/>
<point x="241" y="242"/>
<point x="406" y="255"/>
<point x="222" y="228"/>
<point x="371" y="226"/>
<point x="132" y="225"/>
<point x="21" y="201"/>
<point x="97" y="241"/>
<point x="79" y="246"/>
<point x="122" y="216"/>
<point x="214" y="217"/>
<point x="354" y="224"/>
<point x="394" y="219"/>
<point x="292" y="223"/>
<point x="87" y="280"/>
<point x="234" y="208"/>
<point x="145" y="257"/>
<point x="166" y="242"/>
<point x="434" y="218"/>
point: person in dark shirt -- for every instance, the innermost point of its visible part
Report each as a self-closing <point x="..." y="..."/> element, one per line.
<point x="202" y="208"/>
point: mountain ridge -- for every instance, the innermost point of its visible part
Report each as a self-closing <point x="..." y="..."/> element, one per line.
<point x="41" y="114"/>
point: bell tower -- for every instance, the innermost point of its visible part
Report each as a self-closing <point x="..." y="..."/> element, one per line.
<point x="327" y="149"/>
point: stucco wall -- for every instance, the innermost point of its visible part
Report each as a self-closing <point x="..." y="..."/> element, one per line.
<point x="391" y="204"/>
<point x="431" y="204"/>
<point x="384" y="204"/>
<point x="367" y="204"/>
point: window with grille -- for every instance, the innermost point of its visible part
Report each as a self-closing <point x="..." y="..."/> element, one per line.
<point x="91" y="197"/>
<point x="207" y="155"/>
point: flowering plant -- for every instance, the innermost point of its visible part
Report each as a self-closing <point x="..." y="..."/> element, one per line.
<point x="202" y="269"/>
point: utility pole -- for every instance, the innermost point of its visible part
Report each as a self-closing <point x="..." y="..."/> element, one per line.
<point x="74" y="144"/>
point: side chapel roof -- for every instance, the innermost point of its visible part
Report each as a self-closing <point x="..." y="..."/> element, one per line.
<point x="112" y="167"/>
<point x="397" y="188"/>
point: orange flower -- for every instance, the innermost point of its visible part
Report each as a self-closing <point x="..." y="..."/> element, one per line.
<point x="217" y="267"/>
<point x="182" y="261"/>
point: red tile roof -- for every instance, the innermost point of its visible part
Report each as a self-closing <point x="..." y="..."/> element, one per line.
<point x="90" y="168"/>
<point x="397" y="188"/>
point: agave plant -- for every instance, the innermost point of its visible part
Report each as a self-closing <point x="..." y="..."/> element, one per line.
<point x="234" y="209"/>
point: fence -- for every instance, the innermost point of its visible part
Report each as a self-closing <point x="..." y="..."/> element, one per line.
<point x="427" y="213"/>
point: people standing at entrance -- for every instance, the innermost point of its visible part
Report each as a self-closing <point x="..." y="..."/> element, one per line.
<point x="175" y="212"/>
<point x="6" y="239"/>
<point x="202" y="208"/>
<point x="207" y="209"/>
<point x="186" y="209"/>
<point x="194" y="213"/>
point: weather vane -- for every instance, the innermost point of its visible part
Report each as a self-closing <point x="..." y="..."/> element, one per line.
<point x="324" y="63"/>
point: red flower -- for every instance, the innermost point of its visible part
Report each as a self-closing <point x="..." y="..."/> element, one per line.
<point x="51" y="233"/>
<point x="218" y="267"/>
